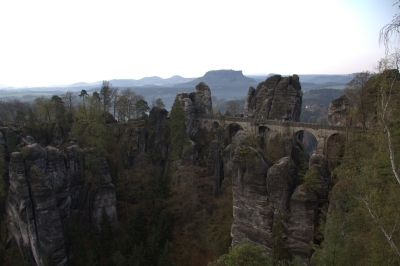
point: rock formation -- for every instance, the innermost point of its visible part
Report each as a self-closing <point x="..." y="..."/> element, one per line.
<point x="157" y="144"/>
<point x="46" y="184"/>
<point x="277" y="98"/>
<point x="252" y="215"/>
<point x="194" y="103"/>
<point x="301" y="225"/>
<point x="265" y="195"/>
<point x="190" y="154"/>
<point x="321" y="163"/>
<point x="337" y="112"/>
<point x="33" y="217"/>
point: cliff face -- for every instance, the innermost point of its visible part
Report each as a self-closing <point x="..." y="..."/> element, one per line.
<point x="266" y="195"/>
<point x="46" y="185"/>
<point x="277" y="98"/>
<point x="337" y="112"/>
<point x="195" y="103"/>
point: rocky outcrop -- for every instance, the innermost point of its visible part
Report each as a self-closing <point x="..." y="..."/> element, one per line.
<point x="321" y="163"/>
<point x="188" y="107"/>
<point x="190" y="156"/>
<point x="276" y="98"/>
<point x="301" y="225"/>
<point x="201" y="99"/>
<point x="198" y="102"/>
<point x="46" y="184"/>
<point x="280" y="184"/>
<point x="252" y="215"/>
<point x="33" y="217"/>
<point x="267" y="196"/>
<point x="337" y="112"/>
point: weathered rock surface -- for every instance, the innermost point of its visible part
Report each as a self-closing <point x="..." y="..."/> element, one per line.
<point x="46" y="184"/>
<point x="280" y="183"/>
<point x="198" y="102"/>
<point x="320" y="162"/>
<point x="303" y="213"/>
<point x="252" y="215"/>
<point x="337" y="112"/>
<point x="265" y="195"/>
<point x="33" y="217"/>
<point x="293" y="148"/>
<point x="190" y="154"/>
<point x="277" y="98"/>
<point x="189" y="109"/>
<point x="201" y="99"/>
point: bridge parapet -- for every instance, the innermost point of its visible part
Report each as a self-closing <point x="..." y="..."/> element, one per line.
<point x="224" y="118"/>
<point x="258" y="121"/>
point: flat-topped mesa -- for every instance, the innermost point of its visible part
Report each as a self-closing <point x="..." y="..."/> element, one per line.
<point x="195" y="103"/>
<point x="277" y="97"/>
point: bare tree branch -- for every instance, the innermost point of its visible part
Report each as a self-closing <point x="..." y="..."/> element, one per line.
<point x="376" y="220"/>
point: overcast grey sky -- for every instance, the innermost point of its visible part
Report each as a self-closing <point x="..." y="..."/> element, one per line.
<point x="63" y="42"/>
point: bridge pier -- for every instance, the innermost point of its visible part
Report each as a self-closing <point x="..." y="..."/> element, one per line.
<point x="321" y="146"/>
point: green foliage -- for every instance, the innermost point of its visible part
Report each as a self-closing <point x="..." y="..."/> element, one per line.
<point x="178" y="128"/>
<point x="158" y="103"/>
<point x="76" y="235"/>
<point x="352" y="236"/>
<point x="106" y="233"/>
<point x="105" y="92"/>
<point x="245" y="254"/>
<point x="89" y="125"/>
<point x="165" y="259"/>
<point x="311" y="179"/>
<point x="11" y="141"/>
<point x="279" y="249"/>
<point x="143" y="182"/>
<point x="142" y="108"/>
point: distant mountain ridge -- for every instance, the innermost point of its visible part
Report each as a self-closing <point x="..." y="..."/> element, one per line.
<point x="216" y="79"/>
<point x="138" y="82"/>
<point x="224" y="84"/>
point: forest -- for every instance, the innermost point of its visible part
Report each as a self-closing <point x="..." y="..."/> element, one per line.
<point x="172" y="206"/>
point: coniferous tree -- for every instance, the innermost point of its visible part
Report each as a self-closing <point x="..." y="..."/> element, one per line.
<point x="279" y="250"/>
<point x="106" y="234"/>
<point x="178" y="128"/>
<point x="165" y="259"/>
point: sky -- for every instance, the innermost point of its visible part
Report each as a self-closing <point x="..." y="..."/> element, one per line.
<point x="55" y="42"/>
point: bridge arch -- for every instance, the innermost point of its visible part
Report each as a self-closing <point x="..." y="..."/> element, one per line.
<point x="231" y="131"/>
<point x="263" y="129"/>
<point x="308" y="139"/>
<point x="258" y="127"/>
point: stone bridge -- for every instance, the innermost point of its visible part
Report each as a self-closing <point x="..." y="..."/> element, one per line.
<point x="271" y="128"/>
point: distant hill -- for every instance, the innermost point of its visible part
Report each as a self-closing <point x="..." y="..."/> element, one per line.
<point x="321" y="96"/>
<point x="84" y="84"/>
<point x="149" y="81"/>
<point x="319" y="79"/>
<point x="223" y="83"/>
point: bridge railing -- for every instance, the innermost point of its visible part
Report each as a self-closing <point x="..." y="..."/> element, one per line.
<point x="266" y="122"/>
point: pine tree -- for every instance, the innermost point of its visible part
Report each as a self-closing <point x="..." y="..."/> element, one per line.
<point x="106" y="234"/>
<point x="178" y="128"/>
<point x="279" y="250"/>
<point x="164" y="259"/>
